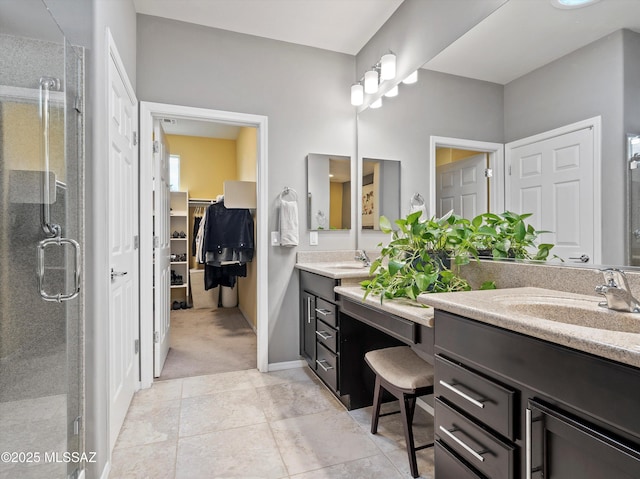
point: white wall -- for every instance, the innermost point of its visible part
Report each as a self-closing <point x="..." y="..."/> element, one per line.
<point x="304" y="92"/>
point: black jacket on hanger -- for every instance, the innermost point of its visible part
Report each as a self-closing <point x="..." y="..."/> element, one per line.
<point x="228" y="235"/>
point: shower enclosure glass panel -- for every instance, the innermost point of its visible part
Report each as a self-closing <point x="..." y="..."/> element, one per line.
<point x="41" y="304"/>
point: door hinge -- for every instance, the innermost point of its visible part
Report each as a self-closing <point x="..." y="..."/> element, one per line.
<point x="488" y="172"/>
<point x="136" y="242"/>
<point x="77" y="424"/>
<point x="136" y="346"/>
<point x="156" y="337"/>
<point x="156" y="241"/>
<point x="135" y="138"/>
<point x="156" y="146"/>
<point x="509" y="170"/>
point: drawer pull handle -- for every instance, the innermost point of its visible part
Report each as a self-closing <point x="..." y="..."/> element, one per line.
<point x="324" y="312"/>
<point x="467" y="448"/>
<point x="321" y="363"/>
<point x="452" y="388"/>
<point x="527" y="439"/>
<point x="324" y="335"/>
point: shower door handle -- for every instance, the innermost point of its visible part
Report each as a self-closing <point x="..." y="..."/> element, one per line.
<point x="47" y="84"/>
<point x="64" y="296"/>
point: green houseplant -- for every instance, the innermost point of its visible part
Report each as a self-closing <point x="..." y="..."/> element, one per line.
<point x="418" y="257"/>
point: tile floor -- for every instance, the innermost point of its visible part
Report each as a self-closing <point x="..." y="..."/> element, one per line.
<point x="246" y="424"/>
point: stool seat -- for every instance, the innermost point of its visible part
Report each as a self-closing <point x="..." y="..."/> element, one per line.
<point x="401" y="367"/>
<point x="406" y="376"/>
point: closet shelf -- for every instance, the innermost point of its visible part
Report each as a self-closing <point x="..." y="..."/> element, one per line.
<point x="178" y="213"/>
<point x="178" y="286"/>
<point x="176" y="239"/>
<point x="178" y="262"/>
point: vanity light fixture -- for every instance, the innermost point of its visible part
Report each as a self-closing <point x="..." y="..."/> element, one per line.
<point x="357" y="94"/>
<point x="412" y="78"/>
<point x="371" y="81"/>
<point x="393" y="92"/>
<point x="377" y="103"/>
<point x="388" y="67"/>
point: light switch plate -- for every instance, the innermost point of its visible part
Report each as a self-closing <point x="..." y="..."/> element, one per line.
<point x="313" y="238"/>
<point x="275" y="238"/>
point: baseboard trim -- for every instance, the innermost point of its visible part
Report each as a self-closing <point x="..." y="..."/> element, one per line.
<point x="299" y="363"/>
<point x="246" y="318"/>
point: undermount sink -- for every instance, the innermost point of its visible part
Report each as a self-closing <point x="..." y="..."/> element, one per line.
<point x="347" y="265"/>
<point x="574" y="311"/>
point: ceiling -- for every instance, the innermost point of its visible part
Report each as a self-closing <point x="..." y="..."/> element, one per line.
<point x="523" y="35"/>
<point x="338" y="25"/>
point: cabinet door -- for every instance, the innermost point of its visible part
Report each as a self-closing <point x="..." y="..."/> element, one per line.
<point x="308" y="328"/>
<point x="561" y="446"/>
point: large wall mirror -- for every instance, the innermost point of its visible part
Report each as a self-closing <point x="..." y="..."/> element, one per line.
<point x="380" y="192"/>
<point x="328" y="192"/>
<point x="507" y="80"/>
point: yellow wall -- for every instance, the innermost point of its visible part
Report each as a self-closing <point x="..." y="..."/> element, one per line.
<point x="21" y="138"/>
<point x="335" y="205"/>
<point x="246" y="159"/>
<point x="247" y="148"/>
<point x="449" y="155"/>
<point x="205" y="163"/>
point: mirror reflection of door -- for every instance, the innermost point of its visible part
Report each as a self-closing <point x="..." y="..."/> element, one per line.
<point x="328" y="192"/>
<point x="461" y="184"/>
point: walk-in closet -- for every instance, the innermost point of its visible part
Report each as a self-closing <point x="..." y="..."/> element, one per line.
<point x="206" y="247"/>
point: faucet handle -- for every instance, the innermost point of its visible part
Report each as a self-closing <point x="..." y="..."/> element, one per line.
<point x="615" y="278"/>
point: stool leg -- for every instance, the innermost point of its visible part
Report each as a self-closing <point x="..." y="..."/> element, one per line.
<point x="377" y="401"/>
<point x="405" y="408"/>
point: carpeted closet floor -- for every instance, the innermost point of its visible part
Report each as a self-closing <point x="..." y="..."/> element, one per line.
<point x="205" y="341"/>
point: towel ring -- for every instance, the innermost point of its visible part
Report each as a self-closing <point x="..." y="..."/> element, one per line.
<point x="289" y="191"/>
<point x="417" y="200"/>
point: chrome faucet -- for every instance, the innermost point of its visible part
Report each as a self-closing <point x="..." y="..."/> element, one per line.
<point x="617" y="292"/>
<point x="362" y="256"/>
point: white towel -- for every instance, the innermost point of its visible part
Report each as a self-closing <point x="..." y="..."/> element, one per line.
<point x="289" y="234"/>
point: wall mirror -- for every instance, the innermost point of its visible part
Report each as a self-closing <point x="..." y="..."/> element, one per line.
<point x="380" y="192"/>
<point x="503" y="96"/>
<point x="328" y="192"/>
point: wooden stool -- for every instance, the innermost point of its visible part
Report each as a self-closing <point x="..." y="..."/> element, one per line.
<point x="406" y="376"/>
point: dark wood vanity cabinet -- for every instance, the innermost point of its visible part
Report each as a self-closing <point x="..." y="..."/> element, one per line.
<point x="511" y="406"/>
<point x="319" y="327"/>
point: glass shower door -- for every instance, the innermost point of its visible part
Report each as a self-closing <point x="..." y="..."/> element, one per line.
<point x="41" y="310"/>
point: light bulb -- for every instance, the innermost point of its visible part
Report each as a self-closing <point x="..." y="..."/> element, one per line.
<point x="388" y="67"/>
<point x="411" y="78"/>
<point x="357" y="94"/>
<point x="371" y="81"/>
<point x="393" y="92"/>
<point x="377" y="103"/>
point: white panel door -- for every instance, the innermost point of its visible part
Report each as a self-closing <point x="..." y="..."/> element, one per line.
<point x="553" y="179"/>
<point x="162" y="252"/>
<point x="123" y="252"/>
<point x="461" y="186"/>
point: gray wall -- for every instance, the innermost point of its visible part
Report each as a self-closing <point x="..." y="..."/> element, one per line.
<point x="420" y="29"/>
<point x="581" y="85"/>
<point x="440" y="105"/>
<point x="304" y="92"/>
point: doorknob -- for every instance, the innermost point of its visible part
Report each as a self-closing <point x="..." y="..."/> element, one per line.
<point x="117" y="273"/>
<point x="583" y="258"/>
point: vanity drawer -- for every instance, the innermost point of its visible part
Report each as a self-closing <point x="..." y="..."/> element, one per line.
<point x="449" y="466"/>
<point x="484" y="451"/>
<point x="326" y="311"/>
<point x="327" y="336"/>
<point x="484" y="399"/>
<point x="327" y="366"/>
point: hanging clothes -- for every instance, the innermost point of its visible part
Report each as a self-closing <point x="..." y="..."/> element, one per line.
<point x="196" y="227"/>
<point x="228" y="235"/>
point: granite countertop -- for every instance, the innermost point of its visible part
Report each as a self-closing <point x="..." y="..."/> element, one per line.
<point x="581" y="323"/>
<point x="336" y="269"/>
<point x="402" y="307"/>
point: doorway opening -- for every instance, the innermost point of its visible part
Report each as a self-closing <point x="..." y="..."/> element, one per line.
<point x="222" y="156"/>
<point x="467" y="176"/>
